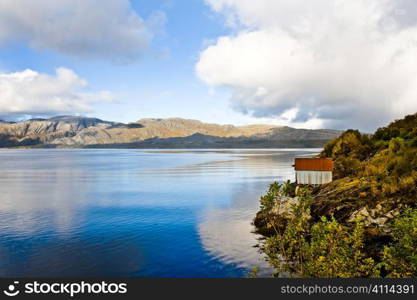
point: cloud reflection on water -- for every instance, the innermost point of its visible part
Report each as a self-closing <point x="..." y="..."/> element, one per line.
<point x="133" y="212"/>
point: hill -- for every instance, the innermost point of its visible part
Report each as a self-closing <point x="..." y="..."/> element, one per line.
<point x="363" y="224"/>
<point x="70" y="131"/>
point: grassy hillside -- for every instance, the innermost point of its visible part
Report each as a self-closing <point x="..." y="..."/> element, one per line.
<point x="363" y="224"/>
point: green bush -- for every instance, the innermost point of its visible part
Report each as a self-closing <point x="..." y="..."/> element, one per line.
<point x="269" y="200"/>
<point x="400" y="258"/>
<point x="337" y="251"/>
<point x="325" y="250"/>
<point x="275" y="191"/>
<point x="284" y="249"/>
<point x="346" y="166"/>
<point x="317" y="238"/>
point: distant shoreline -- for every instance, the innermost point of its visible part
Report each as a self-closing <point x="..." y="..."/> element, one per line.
<point x="175" y="133"/>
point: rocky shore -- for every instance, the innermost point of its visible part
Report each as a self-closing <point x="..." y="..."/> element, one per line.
<point x="363" y="224"/>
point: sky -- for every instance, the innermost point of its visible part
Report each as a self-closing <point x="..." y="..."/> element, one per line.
<point x="307" y="64"/>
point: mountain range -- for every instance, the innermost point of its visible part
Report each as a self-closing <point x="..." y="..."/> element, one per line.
<point x="83" y="132"/>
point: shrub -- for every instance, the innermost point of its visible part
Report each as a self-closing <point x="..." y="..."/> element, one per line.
<point x="379" y="173"/>
<point x="283" y="248"/>
<point x="326" y="249"/>
<point x="400" y="258"/>
<point x="337" y="251"/>
<point x="346" y="166"/>
<point x="269" y="200"/>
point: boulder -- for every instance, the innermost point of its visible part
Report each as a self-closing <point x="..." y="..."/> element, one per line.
<point x="373" y="217"/>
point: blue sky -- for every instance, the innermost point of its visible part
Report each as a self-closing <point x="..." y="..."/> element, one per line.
<point x="222" y="61"/>
<point x="160" y="83"/>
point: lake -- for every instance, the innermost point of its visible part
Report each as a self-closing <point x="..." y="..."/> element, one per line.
<point x="134" y="213"/>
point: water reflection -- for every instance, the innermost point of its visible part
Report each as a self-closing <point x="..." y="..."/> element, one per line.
<point x="226" y="233"/>
<point x="133" y="212"/>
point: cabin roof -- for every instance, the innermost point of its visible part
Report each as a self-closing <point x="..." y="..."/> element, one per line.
<point x="314" y="164"/>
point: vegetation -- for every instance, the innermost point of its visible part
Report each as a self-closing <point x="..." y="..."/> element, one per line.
<point x="400" y="257"/>
<point x="363" y="224"/>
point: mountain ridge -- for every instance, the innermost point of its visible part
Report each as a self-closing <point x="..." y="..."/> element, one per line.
<point x="75" y="131"/>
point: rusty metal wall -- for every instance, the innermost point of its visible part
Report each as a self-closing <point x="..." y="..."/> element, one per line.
<point x="313" y="177"/>
<point x="314" y="164"/>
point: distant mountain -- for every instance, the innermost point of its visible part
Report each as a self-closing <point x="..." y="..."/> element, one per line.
<point x="72" y="131"/>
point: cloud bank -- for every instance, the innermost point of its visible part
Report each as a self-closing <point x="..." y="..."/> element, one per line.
<point x="345" y="64"/>
<point x="29" y="93"/>
<point x="82" y="28"/>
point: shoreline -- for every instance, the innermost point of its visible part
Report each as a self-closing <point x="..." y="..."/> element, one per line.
<point x="362" y="224"/>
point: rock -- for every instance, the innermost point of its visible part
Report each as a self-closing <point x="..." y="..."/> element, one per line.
<point x="359" y="214"/>
<point x="393" y="213"/>
<point x="380" y="221"/>
<point x="261" y="224"/>
<point x="373" y="217"/>
<point x="279" y="215"/>
<point x="285" y="206"/>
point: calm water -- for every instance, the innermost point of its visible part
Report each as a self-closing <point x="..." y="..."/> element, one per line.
<point x="136" y="213"/>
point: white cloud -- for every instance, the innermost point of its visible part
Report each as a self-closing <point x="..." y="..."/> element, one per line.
<point x="342" y="63"/>
<point x="35" y="94"/>
<point x="86" y="28"/>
